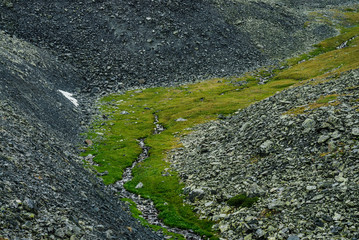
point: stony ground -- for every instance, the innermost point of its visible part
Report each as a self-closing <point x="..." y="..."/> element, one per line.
<point x="45" y="191"/>
<point x="120" y="43"/>
<point x="302" y="166"/>
<point x="102" y="46"/>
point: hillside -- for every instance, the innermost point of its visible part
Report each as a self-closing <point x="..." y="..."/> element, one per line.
<point x="100" y="103"/>
<point x="45" y="191"/>
<point x="120" y="43"/>
<point x="297" y="151"/>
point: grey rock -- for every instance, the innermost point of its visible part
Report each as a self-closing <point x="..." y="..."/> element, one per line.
<point x="266" y="146"/>
<point x="30" y="205"/>
<point x="103" y="173"/>
<point x="60" y="233"/>
<point x="293" y="237"/>
<point x="323" y="138"/>
<point x="196" y="194"/>
<point x="355" y="131"/>
<point x="181" y="120"/>
<point x="308" y="125"/>
<point x="275" y="204"/>
<point x="139" y="185"/>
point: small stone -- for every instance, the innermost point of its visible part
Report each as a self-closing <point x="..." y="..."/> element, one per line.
<point x="266" y="146"/>
<point x="88" y="142"/>
<point x="109" y="234"/>
<point x="355" y="131"/>
<point x="337" y="217"/>
<point x="311" y="188"/>
<point x="336" y="135"/>
<point x="327" y="218"/>
<point x="139" y="185"/>
<point x="260" y="233"/>
<point x="196" y="194"/>
<point x="323" y="138"/>
<point x="60" y="233"/>
<point x="124" y="112"/>
<point x="248" y="237"/>
<point x="308" y="125"/>
<point x="275" y="204"/>
<point x="318" y="197"/>
<point x="141" y="81"/>
<point x="223" y="227"/>
<point x="181" y="120"/>
<point x="293" y="237"/>
<point x="340" y="178"/>
<point x="207" y="204"/>
<point x="30" y="205"/>
<point x="102" y="173"/>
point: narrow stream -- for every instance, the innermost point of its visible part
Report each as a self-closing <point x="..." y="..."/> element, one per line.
<point x="146" y="206"/>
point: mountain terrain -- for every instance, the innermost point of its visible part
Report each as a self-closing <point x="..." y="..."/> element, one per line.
<point x="299" y="160"/>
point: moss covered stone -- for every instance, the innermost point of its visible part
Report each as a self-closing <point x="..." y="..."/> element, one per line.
<point x="242" y="200"/>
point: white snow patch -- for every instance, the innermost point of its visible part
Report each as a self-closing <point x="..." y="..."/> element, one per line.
<point x="69" y="97"/>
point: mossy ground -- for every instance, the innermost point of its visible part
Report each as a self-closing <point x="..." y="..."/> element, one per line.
<point x="242" y="200"/>
<point x="115" y="135"/>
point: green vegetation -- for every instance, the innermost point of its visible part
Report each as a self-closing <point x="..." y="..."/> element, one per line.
<point x="138" y="215"/>
<point x="130" y="116"/>
<point x="242" y="200"/>
<point x="115" y="139"/>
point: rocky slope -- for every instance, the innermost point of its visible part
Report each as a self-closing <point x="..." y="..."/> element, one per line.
<point x="298" y="154"/>
<point x="45" y="192"/>
<point x="121" y="43"/>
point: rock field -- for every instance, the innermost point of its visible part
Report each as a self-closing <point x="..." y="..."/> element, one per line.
<point x="303" y="166"/>
<point x="121" y="43"/>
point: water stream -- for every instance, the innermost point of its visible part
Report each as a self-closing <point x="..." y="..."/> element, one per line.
<point x="146" y="206"/>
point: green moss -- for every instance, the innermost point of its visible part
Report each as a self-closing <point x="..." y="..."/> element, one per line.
<point x="242" y="200"/>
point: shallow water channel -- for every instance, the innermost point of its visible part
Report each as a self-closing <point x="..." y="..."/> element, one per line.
<point x="146" y="206"/>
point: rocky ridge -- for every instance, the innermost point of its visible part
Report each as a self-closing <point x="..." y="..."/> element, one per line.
<point x="302" y="166"/>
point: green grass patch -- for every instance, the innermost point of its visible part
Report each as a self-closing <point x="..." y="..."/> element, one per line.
<point x="117" y="148"/>
<point x="242" y="200"/>
<point x="128" y="117"/>
<point x="138" y="215"/>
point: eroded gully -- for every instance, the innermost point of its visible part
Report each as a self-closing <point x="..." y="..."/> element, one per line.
<point x="146" y="206"/>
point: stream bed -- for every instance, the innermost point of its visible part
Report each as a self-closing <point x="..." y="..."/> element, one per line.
<point x="146" y="206"/>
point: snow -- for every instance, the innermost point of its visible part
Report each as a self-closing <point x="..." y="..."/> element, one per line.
<point x="69" y="97"/>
